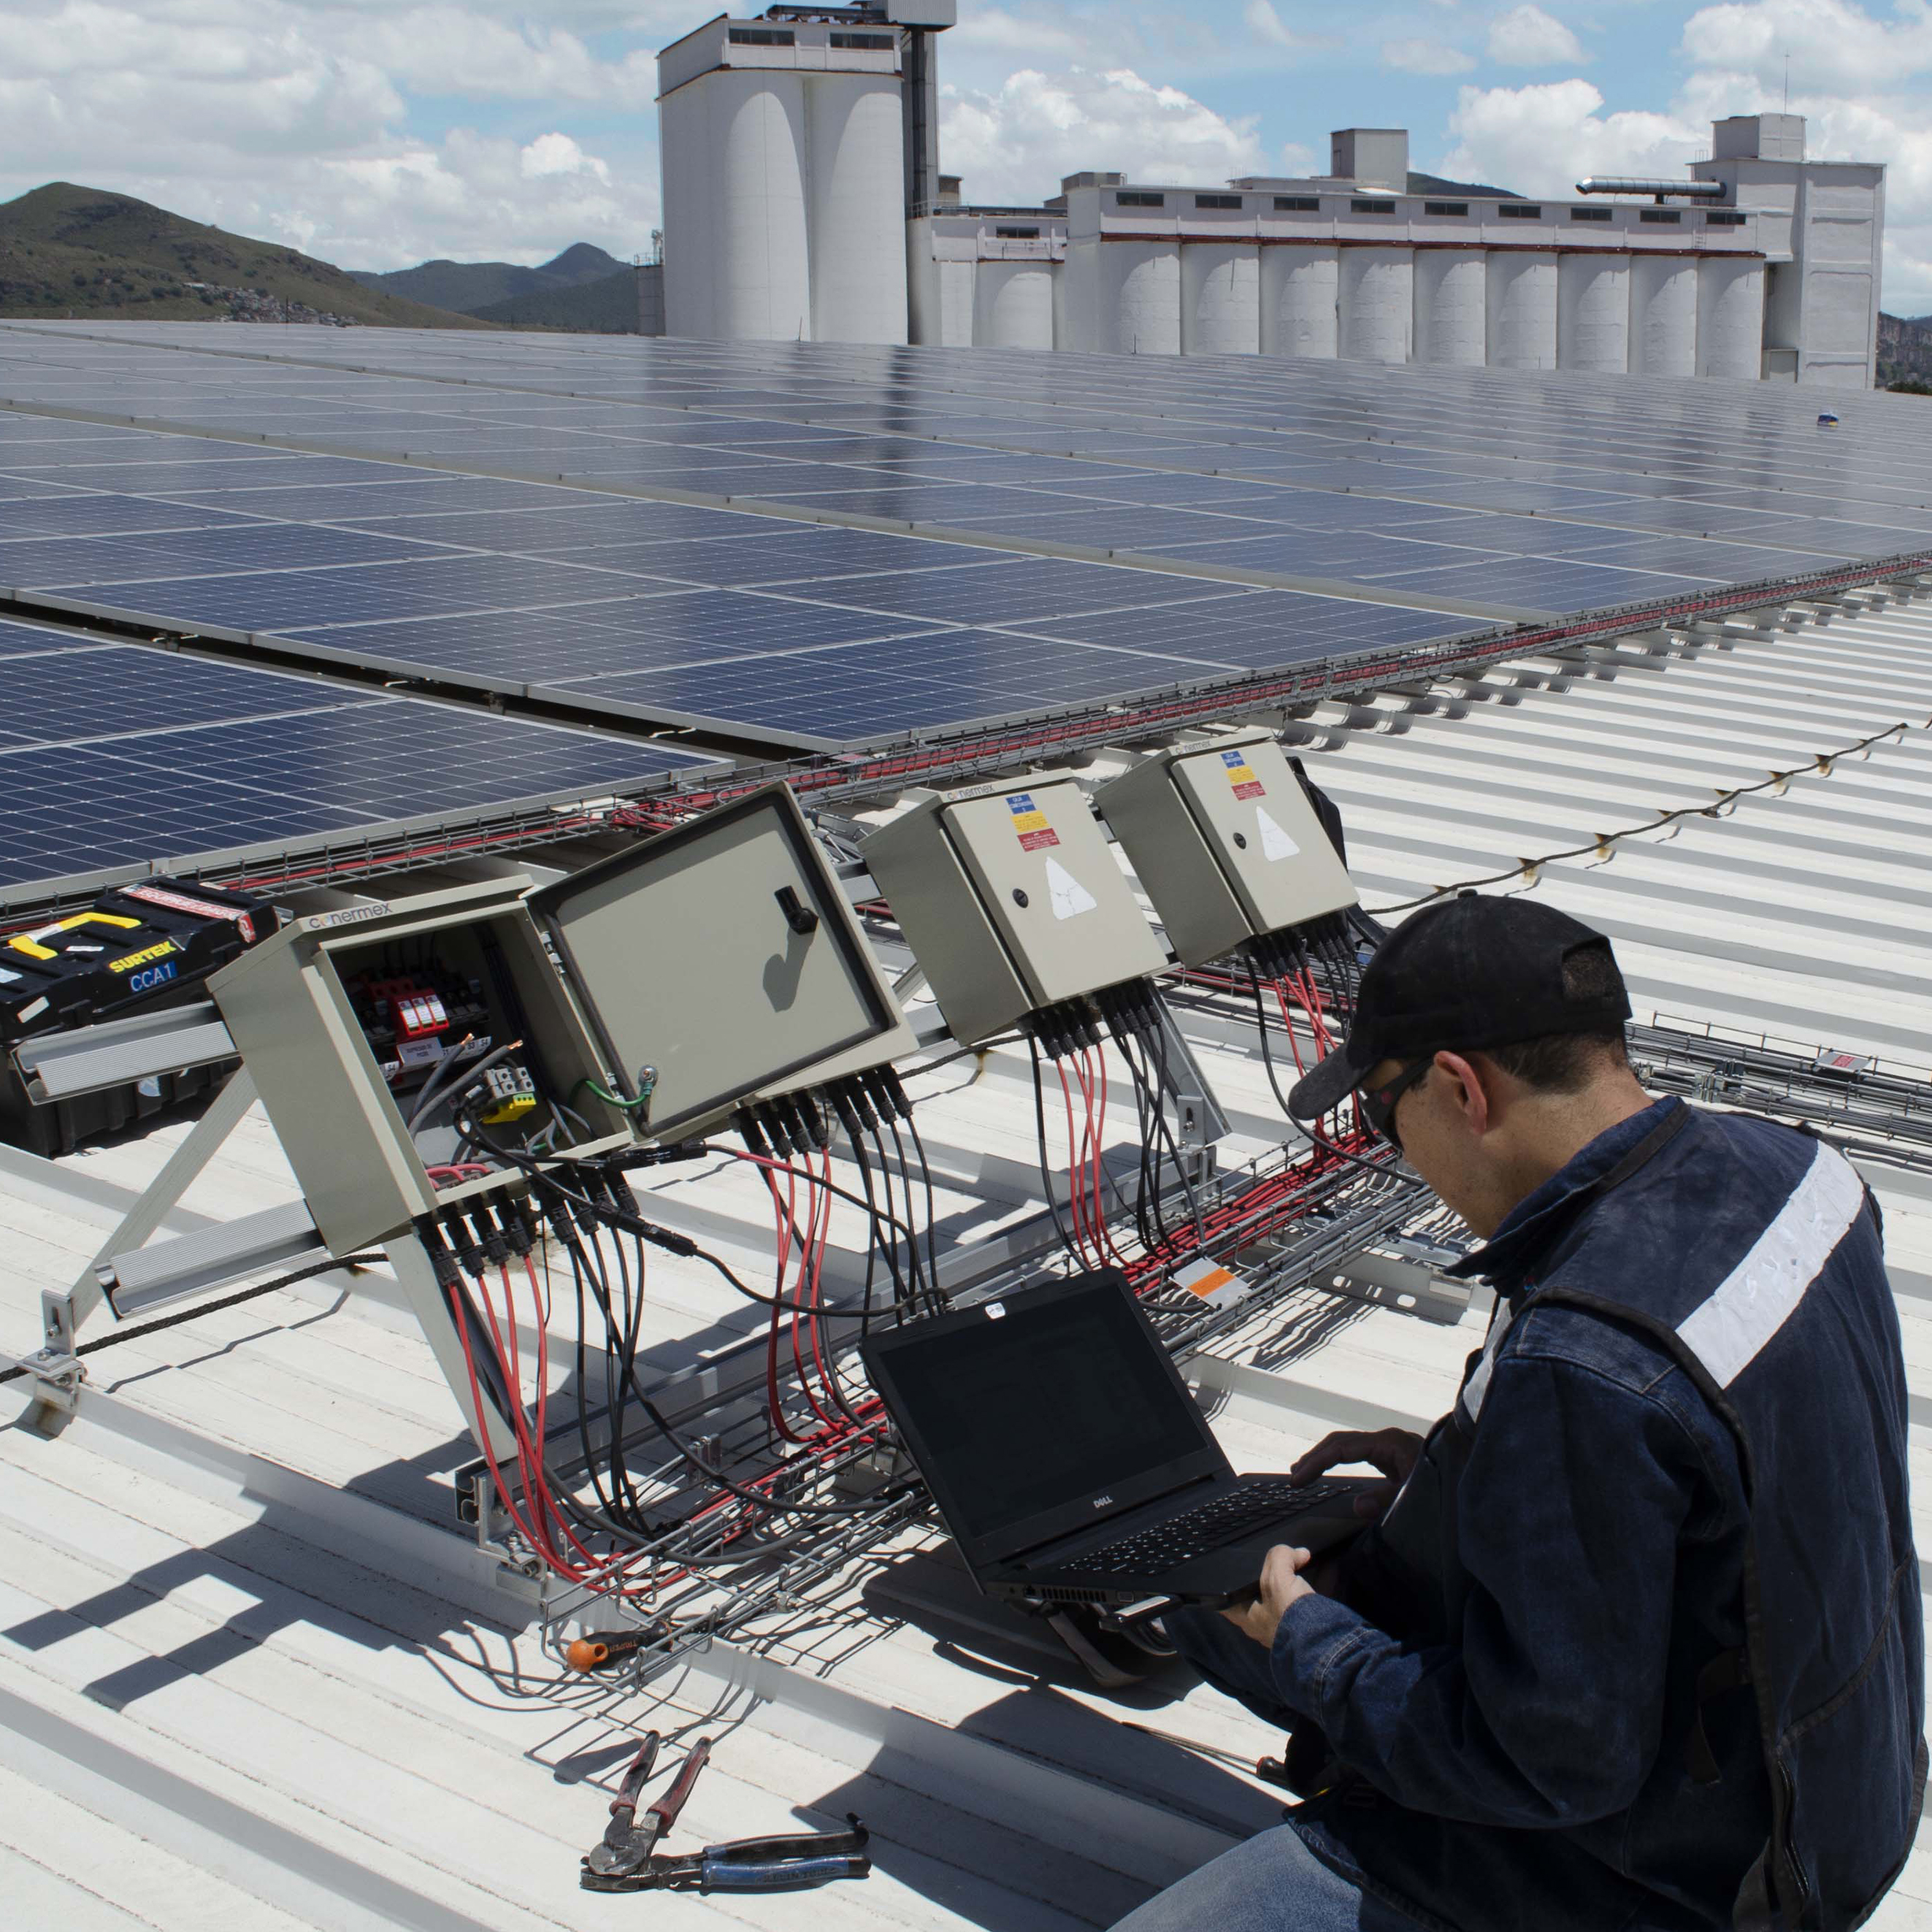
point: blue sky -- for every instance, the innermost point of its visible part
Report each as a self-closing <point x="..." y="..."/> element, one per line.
<point x="379" y="134"/>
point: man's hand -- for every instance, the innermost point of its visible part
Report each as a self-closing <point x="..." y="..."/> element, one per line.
<point x="1393" y="1451"/>
<point x="1281" y="1584"/>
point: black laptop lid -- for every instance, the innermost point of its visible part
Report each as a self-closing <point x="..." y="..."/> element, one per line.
<point x="1037" y="1414"/>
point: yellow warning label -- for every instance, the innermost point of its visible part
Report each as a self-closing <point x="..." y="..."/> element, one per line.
<point x="129" y="960"/>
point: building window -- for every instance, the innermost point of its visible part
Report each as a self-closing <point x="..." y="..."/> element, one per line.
<point x="870" y="43"/>
<point x="1134" y="198"/>
<point x="1521" y="210"/>
<point x="1721" y="218"/>
<point x="762" y="36"/>
<point x="1445" y="207"/>
<point x="1589" y="214"/>
<point x="1297" y="204"/>
<point x="1671" y="217"/>
<point x="1016" y="234"/>
<point x="1217" y="201"/>
<point x="1360" y="206"/>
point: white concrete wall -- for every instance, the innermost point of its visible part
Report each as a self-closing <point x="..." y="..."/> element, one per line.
<point x="1137" y="308"/>
<point x="684" y="132"/>
<point x="1593" y="313"/>
<point x="1012" y="305"/>
<point x="1522" y="309"/>
<point x="1375" y="303"/>
<point x="1664" y="316"/>
<point x="1451" y="300"/>
<point x="762" y="282"/>
<point x="1730" y="319"/>
<point x="855" y="181"/>
<point x="1300" y="287"/>
<point x="1220" y="299"/>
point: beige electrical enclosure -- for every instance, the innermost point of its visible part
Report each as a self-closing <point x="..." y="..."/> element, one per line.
<point x="286" y="1005"/>
<point x="1225" y="844"/>
<point x="1011" y="899"/>
<point x="724" y="957"/>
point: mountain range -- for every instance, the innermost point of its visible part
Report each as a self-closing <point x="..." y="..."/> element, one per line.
<point x="470" y="288"/>
<point x="84" y="252"/>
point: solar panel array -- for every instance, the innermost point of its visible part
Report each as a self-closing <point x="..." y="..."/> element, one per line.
<point x="817" y="546"/>
<point x="117" y="760"/>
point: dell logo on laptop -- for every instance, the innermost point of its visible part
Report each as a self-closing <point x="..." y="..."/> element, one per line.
<point x="1101" y="1502"/>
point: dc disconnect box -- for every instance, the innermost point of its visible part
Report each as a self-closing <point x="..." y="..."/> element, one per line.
<point x="647" y="996"/>
<point x="1011" y="900"/>
<point x="1225" y="844"/>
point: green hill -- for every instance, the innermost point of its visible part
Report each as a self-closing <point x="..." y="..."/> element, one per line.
<point x="607" y="306"/>
<point x="469" y="287"/>
<point x="95" y="255"/>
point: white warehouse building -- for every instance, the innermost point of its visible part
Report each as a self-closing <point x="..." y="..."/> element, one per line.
<point x="803" y="202"/>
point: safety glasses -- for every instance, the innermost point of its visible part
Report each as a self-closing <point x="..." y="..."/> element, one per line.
<point x="1378" y="1103"/>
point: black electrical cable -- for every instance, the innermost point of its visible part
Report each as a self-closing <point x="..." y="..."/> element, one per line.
<point x="931" y="1215"/>
<point x="1163" y="1087"/>
<point x="1045" y="1171"/>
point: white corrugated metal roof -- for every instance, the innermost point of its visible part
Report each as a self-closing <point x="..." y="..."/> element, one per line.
<point x="248" y="1675"/>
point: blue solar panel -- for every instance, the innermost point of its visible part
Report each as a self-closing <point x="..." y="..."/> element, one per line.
<point x="1551" y="584"/>
<point x="173" y="799"/>
<point x="1257" y="632"/>
<point x="120" y="690"/>
<point x="26" y="640"/>
<point x="100" y="515"/>
<point x="1005" y="591"/>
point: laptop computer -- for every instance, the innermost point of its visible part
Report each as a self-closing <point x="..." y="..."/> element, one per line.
<point x="1070" y="1463"/>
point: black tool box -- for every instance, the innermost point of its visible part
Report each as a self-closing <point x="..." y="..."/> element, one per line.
<point x="136" y="943"/>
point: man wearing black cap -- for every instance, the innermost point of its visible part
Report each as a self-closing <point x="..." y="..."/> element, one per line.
<point x="1637" y="1646"/>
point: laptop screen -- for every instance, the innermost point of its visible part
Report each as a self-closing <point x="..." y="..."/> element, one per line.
<point x="1064" y="1398"/>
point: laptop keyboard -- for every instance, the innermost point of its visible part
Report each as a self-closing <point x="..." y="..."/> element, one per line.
<point x="1227" y="1519"/>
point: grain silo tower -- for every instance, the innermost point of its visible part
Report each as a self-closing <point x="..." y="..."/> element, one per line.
<point x="794" y="148"/>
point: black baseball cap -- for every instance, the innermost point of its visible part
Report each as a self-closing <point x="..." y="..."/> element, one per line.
<point x="1470" y="973"/>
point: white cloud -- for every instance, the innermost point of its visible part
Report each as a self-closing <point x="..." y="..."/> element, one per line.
<point x="1542" y="138"/>
<point x="290" y="122"/>
<point x="559" y="154"/>
<point x="1834" y="46"/>
<point x="1528" y="36"/>
<point x="993" y="30"/>
<point x="1016" y="143"/>
<point x="1425" y="57"/>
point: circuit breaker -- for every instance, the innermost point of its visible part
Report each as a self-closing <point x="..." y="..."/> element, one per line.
<point x="1012" y="901"/>
<point x="640" y="999"/>
<point x="344" y="1018"/>
<point x="1224" y="841"/>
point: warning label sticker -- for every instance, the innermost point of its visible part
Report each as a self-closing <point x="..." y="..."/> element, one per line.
<point x="1276" y="843"/>
<point x="1030" y="822"/>
<point x="1070" y="897"/>
<point x="1241" y="775"/>
<point x="1218" y="1287"/>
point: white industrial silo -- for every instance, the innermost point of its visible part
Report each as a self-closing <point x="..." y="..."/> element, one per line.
<point x="1375" y="303"/>
<point x="855" y="146"/>
<point x="956" y="282"/>
<point x="1593" y="312"/>
<point x="762" y="286"/>
<point x="1730" y="317"/>
<point x="1299" y="288"/>
<point x="1220" y="299"/>
<point x="1451" y="300"/>
<point x="1521" y="317"/>
<point x="1012" y="305"/>
<point x="1138" y="299"/>
<point x="1664" y="316"/>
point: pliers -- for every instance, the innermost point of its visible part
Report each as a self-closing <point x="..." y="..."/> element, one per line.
<point x="623" y="1861"/>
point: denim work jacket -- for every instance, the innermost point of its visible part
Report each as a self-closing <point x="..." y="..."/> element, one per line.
<point x="1661" y="1665"/>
